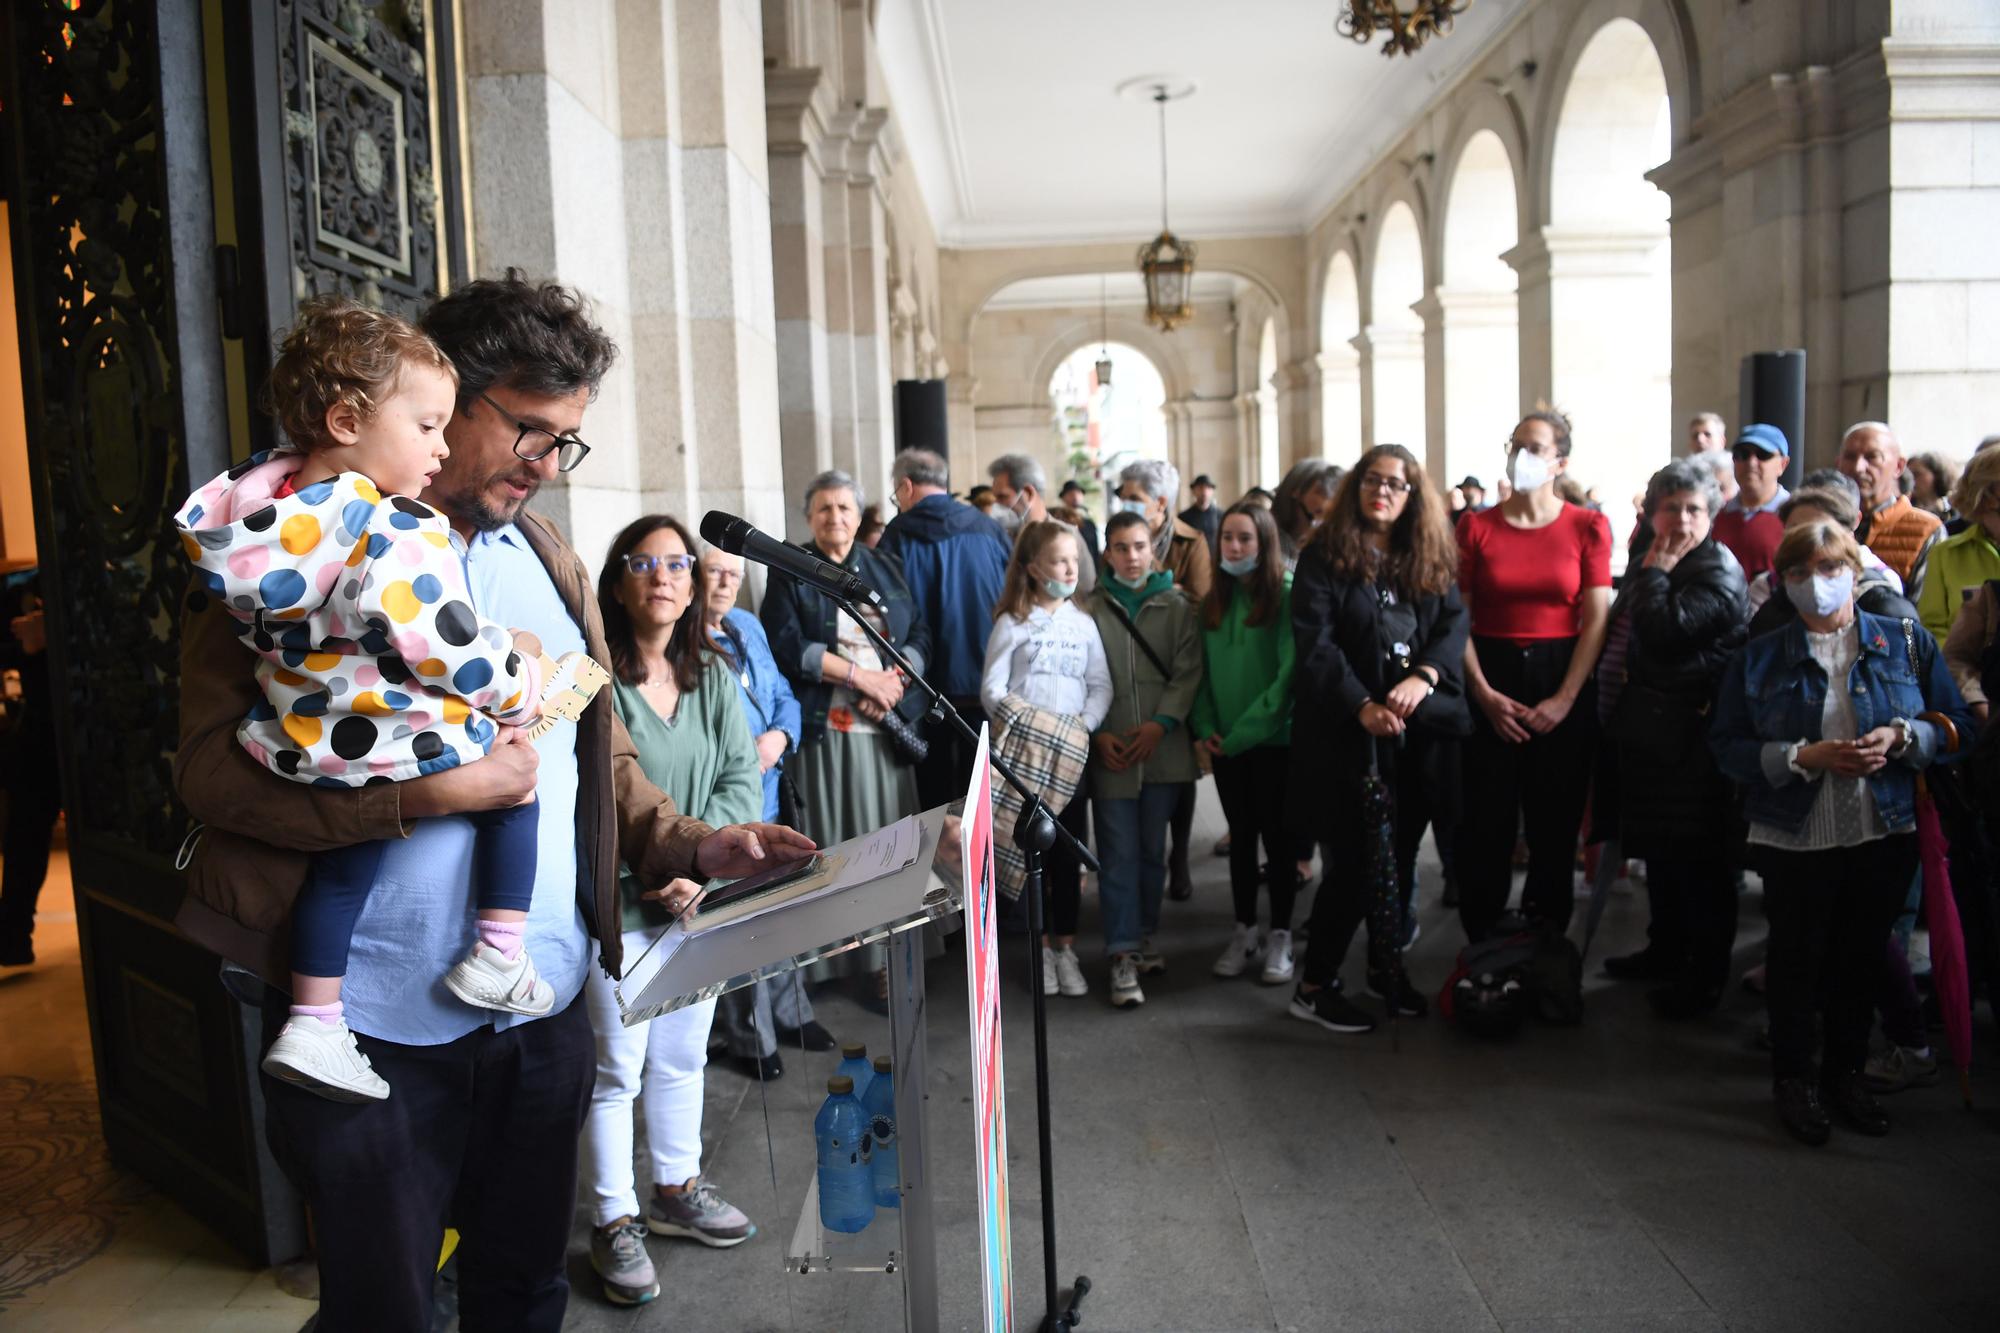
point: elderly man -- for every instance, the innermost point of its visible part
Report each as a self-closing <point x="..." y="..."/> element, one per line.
<point x="481" y="1131"/>
<point x="1707" y="433"/>
<point x="955" y="560"/>
<point x="1205" y="515"/>
<point x="1891" y="526"/>
<point x="1149" y="488"/>
<point x="1019" y="484"/>
<point x="1749" y="524"/>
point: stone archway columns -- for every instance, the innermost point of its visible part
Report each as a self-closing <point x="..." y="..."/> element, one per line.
<point x="1475" y="388"/>
<point x="1336" y="375"/>
<point x="1394" y="357"/>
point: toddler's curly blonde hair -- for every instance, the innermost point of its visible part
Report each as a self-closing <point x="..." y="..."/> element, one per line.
<point x="342" y="352"/>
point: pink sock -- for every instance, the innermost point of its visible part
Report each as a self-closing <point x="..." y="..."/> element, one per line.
<point x="328" y="1014"/>
<point x="502" y="935"/>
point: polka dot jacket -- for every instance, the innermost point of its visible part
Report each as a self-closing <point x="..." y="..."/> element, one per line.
<point x="373" y="663"/>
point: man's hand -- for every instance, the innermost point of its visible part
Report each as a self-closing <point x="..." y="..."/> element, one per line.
<point x="1142" y="740"/>
<point x="1504" y="713"/>
<point x="743" y="849"/>
<point x="770" y="749"/>
<point x="1547" y="715"/>
<point x="1111" y="751"/>
<point x="503" y="779"/>
<point x="1410" y="691"/>
<point x="680" y="896"/>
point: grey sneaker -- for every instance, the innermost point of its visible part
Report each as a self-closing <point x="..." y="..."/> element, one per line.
<point x="618" y="1254"/>
<point x="1149" y="959"/>
<point x="1900" y="1067"/>
<point x="1125" y="981"/>
<point x="699" y="1213"/>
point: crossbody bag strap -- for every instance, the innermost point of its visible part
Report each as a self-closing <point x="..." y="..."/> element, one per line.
<point x="1133" y="629"/>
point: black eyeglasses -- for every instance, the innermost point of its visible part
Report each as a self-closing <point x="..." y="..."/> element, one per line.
<point x="569" y="450"/>
<point x="1393" y="485"/>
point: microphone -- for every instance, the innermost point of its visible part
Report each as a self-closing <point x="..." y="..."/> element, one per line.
<point x="738" y="537"/>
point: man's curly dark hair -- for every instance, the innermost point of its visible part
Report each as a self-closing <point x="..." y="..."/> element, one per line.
<point x="535" y="337"/>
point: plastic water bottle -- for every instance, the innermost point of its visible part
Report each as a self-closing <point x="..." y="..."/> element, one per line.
<point x="881" y="1106"/>
<point x="854" y="1064"/>
<point x="846" y="1176"/>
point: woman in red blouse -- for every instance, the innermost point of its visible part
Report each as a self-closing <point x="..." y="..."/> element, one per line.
<point x="1535" y="574"/>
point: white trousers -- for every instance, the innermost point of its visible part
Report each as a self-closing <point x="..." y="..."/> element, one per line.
<point x="658" y="1062"/>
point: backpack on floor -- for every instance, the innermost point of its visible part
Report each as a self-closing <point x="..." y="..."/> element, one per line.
<point x="1521" y="968"/>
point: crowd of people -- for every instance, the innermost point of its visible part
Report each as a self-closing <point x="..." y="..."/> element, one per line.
<point x="1768" y="663"/>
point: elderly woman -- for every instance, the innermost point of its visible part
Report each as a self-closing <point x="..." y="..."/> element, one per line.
<point x="1960" y="564"/>
<point x="1677" y="619"/>
<point x="1825" y="724"/>
<point x="850" y="776"/>
<point x="1151" y="488"/>
<point x="1933" y="478"/>
<point x="1301" y="503"/>
<point x="1826" y="494"/>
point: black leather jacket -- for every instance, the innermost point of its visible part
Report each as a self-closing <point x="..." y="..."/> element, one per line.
<point x="1685" y="623"/>
<point x="800" y="622"/>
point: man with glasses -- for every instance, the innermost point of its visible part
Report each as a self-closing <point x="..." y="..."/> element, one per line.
<point x="1749" y="524"/>
<point x="480" y="1131"/>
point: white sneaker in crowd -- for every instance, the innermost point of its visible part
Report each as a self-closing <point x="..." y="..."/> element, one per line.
<point x="1049" y="982"/>
<point x="1125" y="981"/>
<point x="322" y="1058"/>
<point x="1069" y="973"/>
<point x="486" y="978"/>
<point x="1278" y="959"/>
<point x="1241" y="955"/>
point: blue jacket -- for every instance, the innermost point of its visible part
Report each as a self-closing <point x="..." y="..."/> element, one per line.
<point x="802" y="624"/>
<point x="1773" y="692"/>
<point x="955" y="559"/>
<point x="768" y="701"/>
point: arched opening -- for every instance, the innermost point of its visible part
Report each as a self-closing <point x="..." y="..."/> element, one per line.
<point x="1270" y="459"/>
<point x="1099" y="428"/>
<point x="1396" y="333"/>
<point x="1610" y="283"/>
<point x="1339" y="362"/>
<point x="1482" y="339"/>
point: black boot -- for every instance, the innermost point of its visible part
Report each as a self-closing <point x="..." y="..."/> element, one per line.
<point x="1847" y="1094"/>
<point x="1803" y="1114"/>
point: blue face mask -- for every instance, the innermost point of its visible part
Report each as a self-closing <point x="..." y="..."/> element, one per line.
<point x="1057" y="589"/>
<point x="1121" y="505"/>
<point x="1134" y="584"/>
<point x="1239" y="567"/>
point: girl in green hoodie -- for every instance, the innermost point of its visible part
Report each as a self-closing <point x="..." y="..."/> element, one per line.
<point x="1243" y="718"/>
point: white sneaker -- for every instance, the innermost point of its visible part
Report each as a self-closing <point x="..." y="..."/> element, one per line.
<point x="322" y="1058"/>
<point x="1049" y="981"/>
<point x="486" y="979"/>
<point x="1069" y="973"/>
<point x="1278" y="959"/>
<point x="1125" y="981"/>
<point x="1241" y="954"/>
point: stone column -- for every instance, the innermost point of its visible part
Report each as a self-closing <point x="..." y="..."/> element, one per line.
<point x="868" y="296"/>
<point x="1480" y="381"/>
<point x="835" y="219"/>
<point x="1431" y="311"/>
<point x="795" y="113"/>
<point x="1364" y="372"/>
<point x="1396" y="359"/>
<point x="1339" y="372"/>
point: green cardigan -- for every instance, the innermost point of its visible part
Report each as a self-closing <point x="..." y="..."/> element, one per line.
<point x="706" y="762"/>
<point x="1246" y="692"/>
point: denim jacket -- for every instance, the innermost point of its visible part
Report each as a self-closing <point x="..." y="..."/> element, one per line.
<point x="1772" y="695"/>
<point x="802" y="624"/>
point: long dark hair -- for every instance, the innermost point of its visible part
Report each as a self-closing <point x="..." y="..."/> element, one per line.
<point x="687" y="653"/>
<point x="1422" y="559"/>
<point x="1265" y="584"/>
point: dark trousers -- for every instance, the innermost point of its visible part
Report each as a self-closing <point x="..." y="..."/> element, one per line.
<point x="947" y="766"/>
<point x="1413" y="773"/>
<point x="503" y="879"/>
<point x="1181" y="828"/>
<point x="1252" y="788"/>
<point x="1541" y="784"/>
<point x="479" y="1134"/>
<point x="1830" y="915"/>
<point x="34" y="799"/>
<point x="1694" y="917"/>
<point x="1062" y="873"/>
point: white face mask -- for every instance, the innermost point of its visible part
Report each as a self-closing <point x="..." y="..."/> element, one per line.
<point x="1057" y="589"/>
<point x="1821" y="595"/>
<point x="1237" y="568"/>
<point x="1528" y="470"/>
<point x="1121" y="505"/>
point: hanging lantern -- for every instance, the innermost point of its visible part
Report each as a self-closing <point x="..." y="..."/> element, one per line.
<point x="1103" y="366"/>
<point x="1167" y="261"/>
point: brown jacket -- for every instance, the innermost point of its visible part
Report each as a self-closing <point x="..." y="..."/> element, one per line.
<point x="251" y="860"/>
<point x="1188" y="561"/>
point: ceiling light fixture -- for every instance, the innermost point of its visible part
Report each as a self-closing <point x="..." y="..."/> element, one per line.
<point x="1167" y="261"/>
<point x="1103" y="338"/>
<point x="1407" y="27"/>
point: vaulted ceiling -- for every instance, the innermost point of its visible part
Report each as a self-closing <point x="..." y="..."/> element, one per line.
<point x="1009" y="111"/>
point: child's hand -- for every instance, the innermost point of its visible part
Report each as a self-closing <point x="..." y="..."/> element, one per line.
<point x="526" y="643"/>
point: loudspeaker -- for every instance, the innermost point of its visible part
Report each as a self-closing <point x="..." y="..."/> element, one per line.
<point x="1773" y="391"/>
<point x="920" y="416"/>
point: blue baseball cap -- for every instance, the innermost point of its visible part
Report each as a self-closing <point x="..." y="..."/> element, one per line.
<point x="1764" y="438"/>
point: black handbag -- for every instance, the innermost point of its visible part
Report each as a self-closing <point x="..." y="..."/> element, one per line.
<point x="910" y="744"/>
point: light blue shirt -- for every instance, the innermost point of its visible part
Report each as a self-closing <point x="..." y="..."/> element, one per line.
<point x="418" y="920"/>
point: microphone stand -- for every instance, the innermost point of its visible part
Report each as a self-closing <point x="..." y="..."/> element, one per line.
<point x="1034" y="833"/>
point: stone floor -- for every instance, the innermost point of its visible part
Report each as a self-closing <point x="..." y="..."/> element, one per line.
<point x="1222" y="1167"/>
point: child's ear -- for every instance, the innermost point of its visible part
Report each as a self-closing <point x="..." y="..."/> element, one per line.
<point x="343" y="423"/>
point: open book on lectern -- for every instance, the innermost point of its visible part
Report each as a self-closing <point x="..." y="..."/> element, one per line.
<point x="783" y="898"/>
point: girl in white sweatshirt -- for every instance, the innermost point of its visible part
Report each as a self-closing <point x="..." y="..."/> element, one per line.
<point x="1048" y="654"/>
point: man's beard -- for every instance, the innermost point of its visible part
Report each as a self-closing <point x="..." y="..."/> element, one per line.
<point x="472" y="507"/>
